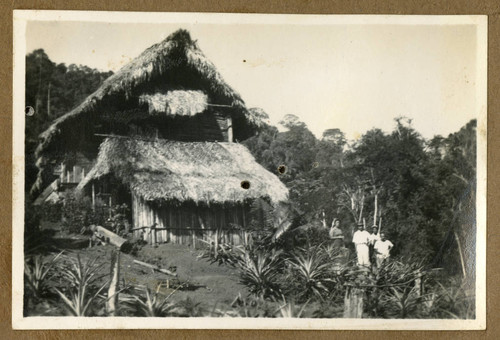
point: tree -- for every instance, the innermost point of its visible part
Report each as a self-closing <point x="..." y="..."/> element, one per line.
<point x="52" y="90"/>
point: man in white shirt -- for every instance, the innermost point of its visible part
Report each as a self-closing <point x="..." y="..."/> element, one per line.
<point x="361" y="240"/>
<point x="374" y="237"/>
<point x="382" y="249"/>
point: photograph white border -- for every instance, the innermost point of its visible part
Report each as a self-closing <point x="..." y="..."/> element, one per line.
<point x="21" y="17"/>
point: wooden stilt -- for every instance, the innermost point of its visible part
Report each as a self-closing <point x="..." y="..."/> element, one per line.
<point x="113" y="285"/>
<point x="354" y="302"/>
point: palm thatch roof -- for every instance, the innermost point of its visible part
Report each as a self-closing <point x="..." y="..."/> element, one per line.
<point x="153" y="65"/>
<point x="177" y="102"/>
<point x="162" y="79"/>
<point x="202" y="172"/>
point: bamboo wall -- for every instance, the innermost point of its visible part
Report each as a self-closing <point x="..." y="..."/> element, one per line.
<point x="208" y="126"/>
<point x="188" y="224"/>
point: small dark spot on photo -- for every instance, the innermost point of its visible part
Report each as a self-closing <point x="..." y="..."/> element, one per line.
<point x="29" y="111"/>
<point x="245" y="184"/>
<point x="315" y="164"/>
<point x="282" y="169"/>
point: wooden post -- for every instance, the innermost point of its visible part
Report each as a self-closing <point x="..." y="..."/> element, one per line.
<point x="63" y="172"/>
<point x="418" y="284"/>
<point x="113" y="285"/>
<point x="354" y="302"/>
<point x="153" y="229"/>
<point x="229" y="130"/>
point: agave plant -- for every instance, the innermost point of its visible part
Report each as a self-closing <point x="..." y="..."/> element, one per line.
<point x="251" y="307"/>
<point x="190" y="308"/>
<point x="259" y="272"/>
<point x="451" y="301"/>
<point x="36" y="273"/>
<point x="150" y="304"/>
<point x="81" y="278"/>
<point x="290" y="309"/>
<point x="219" y="251"/>
<point x="401" y="303"/>
<point x="311" y="271"/>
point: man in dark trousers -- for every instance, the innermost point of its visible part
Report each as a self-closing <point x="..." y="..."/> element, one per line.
<point x="374" y="237"/>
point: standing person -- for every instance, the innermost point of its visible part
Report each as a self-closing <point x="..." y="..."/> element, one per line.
<point x="361" y="240"/>
<point x="336" y="234"/>
<point x="382" y="249"/>
<point x="374" y="237"/>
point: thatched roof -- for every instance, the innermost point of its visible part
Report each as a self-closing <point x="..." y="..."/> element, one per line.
<point x="177" y="102"/>
<point x="206" y="172"/>
<point x="163" y="78"/>
<point x="153" y="65"/>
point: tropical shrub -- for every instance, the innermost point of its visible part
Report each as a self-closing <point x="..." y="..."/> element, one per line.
<point x="288" y="309"/>
<point x="151" y="304"/>
<point x="447" y="298"/>
<point x="310" y="272"/>
<point x="81" y="297"/>
<point x="36" y="274"/>
<point x="51" y="212"/>
<point x="118" y="222"/>
<point x="77" y="212"/>
<point x="259" y="271"/>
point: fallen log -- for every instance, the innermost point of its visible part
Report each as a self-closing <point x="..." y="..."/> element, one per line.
<point x="108" y="236"/>
<point x="152" y="266"/>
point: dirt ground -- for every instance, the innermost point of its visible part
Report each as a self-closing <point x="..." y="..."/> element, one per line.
<point x="210" y="285"/>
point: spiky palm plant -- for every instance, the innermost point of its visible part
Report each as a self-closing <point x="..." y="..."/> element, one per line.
<point x="289" y="309"/>
<point x="190" y="308"/>
<point x="151" y="304"/>
<point x="312" y="273"/>
<point x="81" y="278"/>
<point x="259" y="272"/>
<point x="401" y="303"/>
<point x="36" y="273"/>
<point x="452" y="301"/>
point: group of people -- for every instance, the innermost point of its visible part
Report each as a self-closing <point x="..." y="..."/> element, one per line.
<point x="371" y="247"/>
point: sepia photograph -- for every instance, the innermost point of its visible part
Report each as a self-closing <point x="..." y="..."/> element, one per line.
<point x="254" y="171"/>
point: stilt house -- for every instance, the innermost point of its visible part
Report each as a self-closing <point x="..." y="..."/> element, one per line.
<point x="162" y="133"/>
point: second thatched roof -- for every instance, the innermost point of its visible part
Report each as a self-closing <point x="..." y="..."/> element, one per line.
<point x="172" y="78"/>
<point x="203" y="172"/>
<point x="168" y="63"/>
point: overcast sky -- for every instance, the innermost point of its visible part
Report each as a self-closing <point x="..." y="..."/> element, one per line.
<point x="351" y="77"/>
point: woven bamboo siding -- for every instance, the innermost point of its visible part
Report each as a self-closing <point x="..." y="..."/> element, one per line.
<point x="181" y="224"/>
<point x="206" y="126"/>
